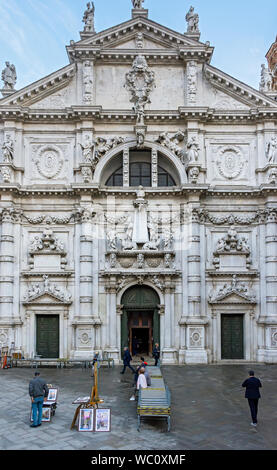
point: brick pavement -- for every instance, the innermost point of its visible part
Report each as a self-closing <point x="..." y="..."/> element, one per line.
<point x="209" y="411"/>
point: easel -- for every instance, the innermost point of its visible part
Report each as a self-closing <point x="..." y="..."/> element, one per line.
<point x="94" y="398"/>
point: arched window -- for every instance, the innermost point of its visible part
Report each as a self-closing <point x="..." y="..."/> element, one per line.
<point x="139" y="171"/>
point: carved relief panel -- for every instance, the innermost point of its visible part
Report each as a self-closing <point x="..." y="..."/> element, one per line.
<point x="229" y="163"/>
<point x="47" y="161"/>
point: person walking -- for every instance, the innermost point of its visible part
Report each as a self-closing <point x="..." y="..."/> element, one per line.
<point x="126" y="361"/>
<point x="156" y="353"/>
<point x="252" y="393"/>
<point x="38" y="392"/>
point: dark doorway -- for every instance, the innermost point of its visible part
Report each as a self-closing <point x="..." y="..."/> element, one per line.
<point x="232" y="337"/>
<point x="48" y="336"/>
<point x="140" y="321"/>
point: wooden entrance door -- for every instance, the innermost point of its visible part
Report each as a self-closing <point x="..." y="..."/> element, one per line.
<point x="140" y="326"/>
<point x="48" y="336"/>
<point x="232" y="337"/>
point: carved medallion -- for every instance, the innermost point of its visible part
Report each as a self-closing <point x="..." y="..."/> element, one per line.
<point x="49" y="161"/>
<point x="230" y="162"/>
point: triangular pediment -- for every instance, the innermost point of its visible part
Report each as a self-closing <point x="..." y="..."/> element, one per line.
<point x="233" y="297"/>
<point x="228" y="91"/>
<point x="46" y="298"/>
<point x="123" y="36"/>
<point x="54" y="85"/>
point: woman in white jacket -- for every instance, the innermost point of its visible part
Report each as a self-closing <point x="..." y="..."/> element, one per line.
<point x="141" y="382"/>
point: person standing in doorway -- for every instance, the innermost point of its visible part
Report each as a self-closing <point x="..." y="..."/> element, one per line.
<point x="156" y="353"/>
<point x="38" y="392"/>
<point x="126" y="361"/>
<point x="252" y="393"/>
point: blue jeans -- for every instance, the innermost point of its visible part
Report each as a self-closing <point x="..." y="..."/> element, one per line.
<point x="37" y="410"/>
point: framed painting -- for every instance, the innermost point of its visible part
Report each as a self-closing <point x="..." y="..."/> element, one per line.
<point x="102" y="420"/>
<point x="52" y="394"/>
<point x="46" y="414"/>
<point x="86" y="419"/>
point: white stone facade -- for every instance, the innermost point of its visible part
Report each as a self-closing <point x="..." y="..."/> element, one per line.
<point x="71" y="245"/>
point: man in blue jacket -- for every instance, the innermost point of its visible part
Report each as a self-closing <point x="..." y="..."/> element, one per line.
<point x="252" y="392"/>
<point x="38" y="392"/>
<point x="126" y="361"/>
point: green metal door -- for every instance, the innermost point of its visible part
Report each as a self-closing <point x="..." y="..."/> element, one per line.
<point x="48" y="336"/>
<point x="232" y="337"/>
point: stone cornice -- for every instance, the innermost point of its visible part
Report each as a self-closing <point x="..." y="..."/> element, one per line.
<point x="75" y="189"/>
<point x="236" y="88"/>
<point x="97" y="113"/>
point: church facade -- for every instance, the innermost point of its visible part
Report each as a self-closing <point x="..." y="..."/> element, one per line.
<point x="138" y="202"/>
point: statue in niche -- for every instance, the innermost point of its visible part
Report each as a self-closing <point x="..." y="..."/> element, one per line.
<point x="155" y="240"/>
<point x="9" y="76"/>
<point x="271" y="150"/>
<point x="192" y="20"/>
<point x="128" y="243"/>
<point x="8" y="150"/>
<point x="193" y="149"/>
<point x="137" y="3"/>
<point x="112" y="239"/>
<point x="88" y="150"/>
<point x="88" y="18"/>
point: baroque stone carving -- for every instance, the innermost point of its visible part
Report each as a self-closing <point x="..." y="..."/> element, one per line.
<point x="9" y="76"/>
<point x="230" y="219"/>
<point x="49" y="161"/>
<point x="230" y="162"/>
<point x="192" y="20"/>
<point x="87" y="82"/>
<point x="140" y="81"/>
<point x="137" y="3"/>
<point x="139" y="41"/>
<point x="8" y="150"/>
<point x="194" y="173"/>
<point x="172" y="142"/>
<point x="193" y="150"/>
<point x="37" y="290"/>
<point x="46" y="242"/>
<point x="231" y="243"/>
<point x="195" y="337"/>
<point x="104" y="145"/>
<point x="88" y="18"/>
<point x="236" y="287"/>
<point x="6" y="173"/>
<point x="271" y="150"/>
<point x="266" y="79"/>
<point x="191" y="82"/>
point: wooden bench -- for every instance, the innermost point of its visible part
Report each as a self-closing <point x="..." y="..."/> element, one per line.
<point x="154" y="401"/>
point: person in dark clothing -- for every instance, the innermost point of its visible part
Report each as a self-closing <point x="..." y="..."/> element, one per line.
<point x="252" y="393"/>
<point x="156" y="353"/>
<point x="38" y="392"/>
<point x="126" y="361"/>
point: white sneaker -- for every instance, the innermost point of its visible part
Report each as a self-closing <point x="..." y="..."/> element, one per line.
<point x="253" y="424"/>
<point x="132" y="398"/>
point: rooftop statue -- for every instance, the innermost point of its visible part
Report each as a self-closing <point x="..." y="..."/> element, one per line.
<point x="9" y="76"/>
<point x="137" y="3"/>
<point x="192" y="20"/>
<point x="88" y="18"/>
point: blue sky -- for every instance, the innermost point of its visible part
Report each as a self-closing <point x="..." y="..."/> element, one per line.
<point x="33" y="33"/>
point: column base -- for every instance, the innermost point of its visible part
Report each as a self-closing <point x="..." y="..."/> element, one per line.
<point x="268" y="356"/>
<point x="197" y="356"/>
<point x="169" y="356"/>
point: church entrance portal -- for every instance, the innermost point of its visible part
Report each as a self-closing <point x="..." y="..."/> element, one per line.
<point x="140" y="321"/>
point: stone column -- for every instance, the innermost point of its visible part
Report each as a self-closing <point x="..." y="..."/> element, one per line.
<point x="86" y="265"/>
<point x="168" y="353"/>
<point x="195" y="320"/>
<point x="154" y="168"/>
<point x="7" y="251"/>
<point x="126" y="167"/>
<point x="270" y="320"/>
<point x="112" y="320"/>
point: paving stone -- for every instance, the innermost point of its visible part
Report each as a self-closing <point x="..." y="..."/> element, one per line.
<point x="209" y="411"/>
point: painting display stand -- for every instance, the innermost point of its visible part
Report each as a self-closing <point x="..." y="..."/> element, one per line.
<point x="88" y="402"/>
